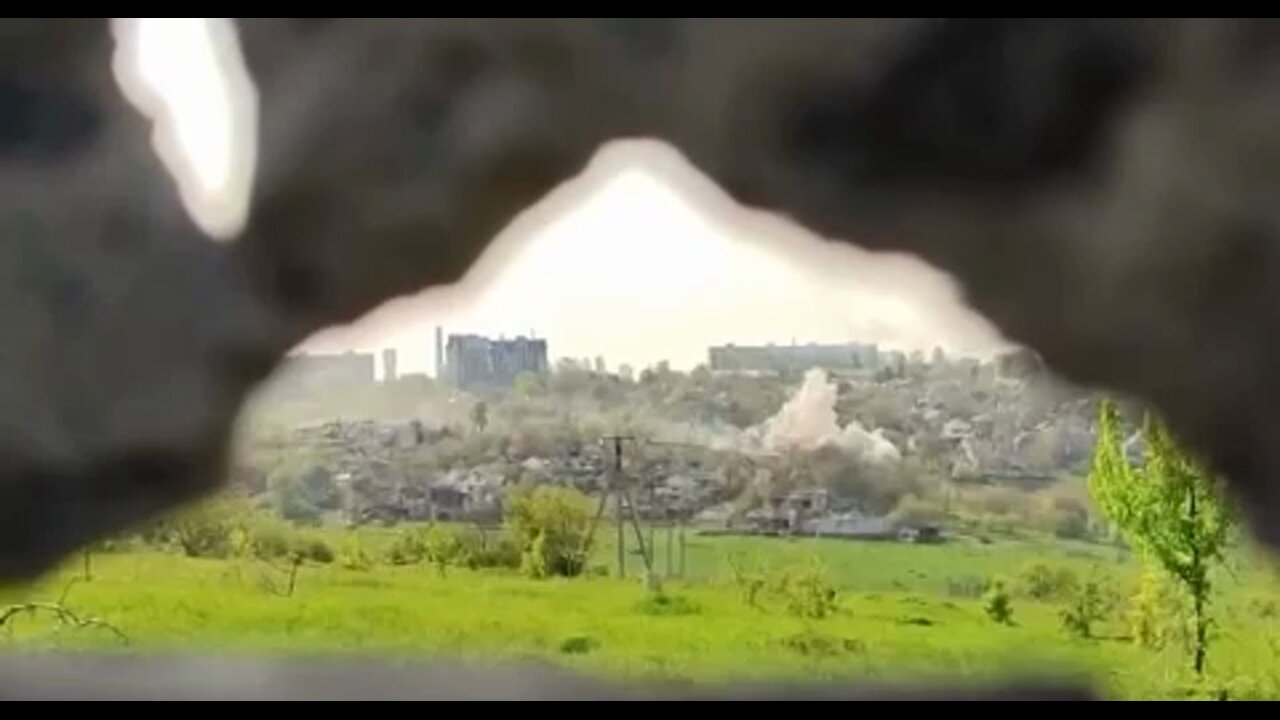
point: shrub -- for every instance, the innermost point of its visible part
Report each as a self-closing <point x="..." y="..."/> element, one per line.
<point x="503" y="552"/>
<point x="801" y="589"/>
<point x="353" y="557"/>
<point x="1090" y="605"/>
<point x="551" y="525"/>
<point x="443" y="547"/>
<point x="266" y="540"/>
<point x="997" y="604"/>
<point x="1042" y="582"/>
<point x="266" y="537"/>
<point x="315" y="550"/>
<point x="807" y="592"/>
<point x="207" y="529"/>
<point x="409" y="548"/>
<point x="302" y="489"/>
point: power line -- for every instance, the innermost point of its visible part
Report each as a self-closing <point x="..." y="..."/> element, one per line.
<point x="624" y="506"/>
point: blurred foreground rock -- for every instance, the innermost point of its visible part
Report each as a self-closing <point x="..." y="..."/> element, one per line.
<point x="109" y="678"/>
<point x="1104" y="191"/>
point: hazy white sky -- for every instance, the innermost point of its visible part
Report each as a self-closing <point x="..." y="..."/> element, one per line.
<point x="644" y="260"/>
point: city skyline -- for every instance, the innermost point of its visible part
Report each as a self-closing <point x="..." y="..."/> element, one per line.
<point x="641" y="255"/>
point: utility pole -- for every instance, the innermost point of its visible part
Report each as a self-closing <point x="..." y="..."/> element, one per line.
<point x="670" y="538"/>
<point x="615" y="480"/>
<point x="653" y="504"/>
<point x="623" y="505"/>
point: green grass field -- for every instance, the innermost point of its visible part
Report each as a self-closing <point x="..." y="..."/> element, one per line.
<point x="904" y="612"/>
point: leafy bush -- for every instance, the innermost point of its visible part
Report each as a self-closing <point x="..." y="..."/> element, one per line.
<point x="1090" y="605"/>
<point x="302" y="489"/>
<point x="443" y="547"/>
<point x="352" y="556"/>
<point x="807" y="592"/>
<point x="503" y="552"/>
<point x="409" y="548"/>
<point x="997" y="603"/>
<point x="266" y="537"/>
<point x="207" y="529"/>
<point x="315" y="550"/>
<point x="800" y="589"/>
<point x="551" y="525"/>
<point x="1043" y="582"/>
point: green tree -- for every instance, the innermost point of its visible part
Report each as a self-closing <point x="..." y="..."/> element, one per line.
<point x="480" y="416"/>
<point x="551" y="524"/>
<point x="1089" y="606"/>
<point x="1171" y="507"/>
<point x="302" y="489"/>
<point x="997" y="602"/>
<point x="444" y="547"/>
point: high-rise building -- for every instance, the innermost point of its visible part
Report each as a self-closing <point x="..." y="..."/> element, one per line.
<point x="389" y="365"/>
<point x="473" y="361"/>
<point x="439" y="353"/>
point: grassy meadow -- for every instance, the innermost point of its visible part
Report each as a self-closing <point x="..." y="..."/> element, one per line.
<point x="901" y="612"/>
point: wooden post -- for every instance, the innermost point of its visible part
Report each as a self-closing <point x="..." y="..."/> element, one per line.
<point x="588" y="543"/>
<point x="635" y="524"/>
<point x="652" y="506"/>
<point x="670" y="538"/>
<point x="622" y="537"/>
<point x="616" y="488"/>
<point x="682" y="549"/>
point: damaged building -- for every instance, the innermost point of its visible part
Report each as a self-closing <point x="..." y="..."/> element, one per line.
<point x="810" y="512"/>
<point x="474" y="361"/>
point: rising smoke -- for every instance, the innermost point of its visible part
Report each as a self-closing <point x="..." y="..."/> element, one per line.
<point x="808" y="421"/>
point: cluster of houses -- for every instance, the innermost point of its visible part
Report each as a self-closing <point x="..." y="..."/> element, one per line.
<point x="378" y="484"/>
<point x="809" y="513"/>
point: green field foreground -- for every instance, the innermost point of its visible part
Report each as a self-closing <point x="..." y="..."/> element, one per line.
<point x="904" y="612"/>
